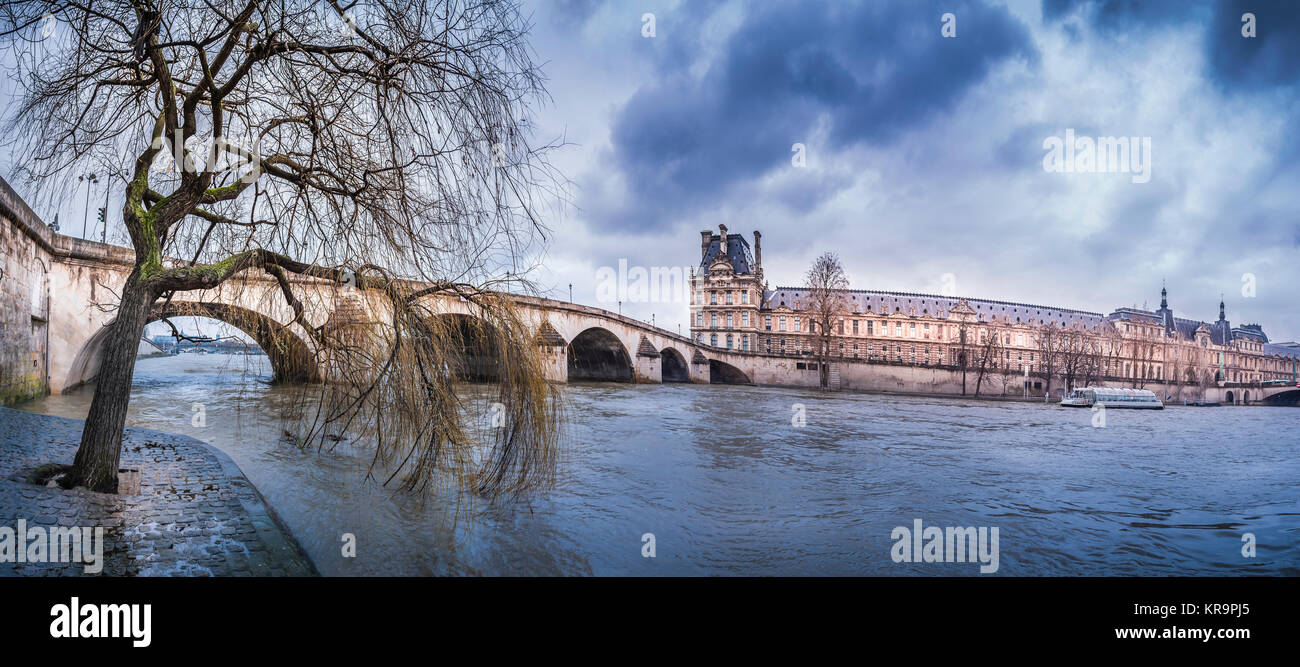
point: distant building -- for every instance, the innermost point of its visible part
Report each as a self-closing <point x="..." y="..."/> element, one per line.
<point x="148" y="348"/>
<point x="733" y="307"/>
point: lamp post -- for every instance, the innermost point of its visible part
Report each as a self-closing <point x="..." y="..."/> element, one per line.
<point x="88" y="178"/>
<point x="570" y="292"/>
<point x="104" y="237"/>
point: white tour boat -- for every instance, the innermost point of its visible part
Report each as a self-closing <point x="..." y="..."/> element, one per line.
<point x="1109" y="397"/>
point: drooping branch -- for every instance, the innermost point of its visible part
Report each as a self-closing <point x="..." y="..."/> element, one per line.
<point x="264" y="140"/>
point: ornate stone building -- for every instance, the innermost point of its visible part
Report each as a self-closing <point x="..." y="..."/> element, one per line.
<point x="1024" y="346"/>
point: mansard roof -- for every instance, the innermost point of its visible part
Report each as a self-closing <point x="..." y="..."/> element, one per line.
<point x="1286" y="350"/>
<point x="1187" y="328"/>
<point x="880" y="301"/>
<point x="742" y="262"/>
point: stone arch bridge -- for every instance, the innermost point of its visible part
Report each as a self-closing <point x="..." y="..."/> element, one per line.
<point x="580" y="342"/>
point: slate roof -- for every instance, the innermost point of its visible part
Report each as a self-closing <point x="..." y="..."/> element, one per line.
<point x="1282" y="350"/>
<point x="737" y="251"/>
<point x="878" y="302"/>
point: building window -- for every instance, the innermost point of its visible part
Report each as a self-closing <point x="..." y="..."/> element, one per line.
<point x="911" y="329"/>
<point x="855" y="327"/>
<point x="713" y="298"/>
<point x="728" y="297"/>
<point x="839" y="327"/>
<point x="869" y="328"/>
<point x="782" y="326"/>
<point x="744" y="342"/>
<point x="744" y="296"/>
<point x="699" y="319"/>
<point x="728" y="341"/>
<point x="713" y="320"/>
<point x="744" y="319"/>
<point x="713" y="340"/>
<point x="729" y="320"/>
<point x="767" y="322"/>
<point x="796" y="324"/>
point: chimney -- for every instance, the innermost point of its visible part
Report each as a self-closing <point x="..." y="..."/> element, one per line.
<point x="705" y="237"/>
<point x="758" y="249"/>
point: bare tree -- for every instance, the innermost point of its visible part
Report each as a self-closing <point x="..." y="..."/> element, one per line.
<point x="1113" y="354"/>
<point x="1142" y="349"/>
<point x="1091" y="367"/>
<point x="963" y="351"/>
<point x="1048" y="340"/>
<point x="1176" y="376"/>
<point x="1075" y="352"/>
<point x="382" y="146"/>
<point x="826" y="283"/>
<point x="987" y="356"/>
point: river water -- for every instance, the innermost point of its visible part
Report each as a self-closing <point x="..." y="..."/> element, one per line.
<point x="728" y="485"/>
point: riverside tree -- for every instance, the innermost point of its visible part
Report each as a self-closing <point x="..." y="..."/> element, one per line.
<point x="379" y="146"/>
<point x="826" y="283"/>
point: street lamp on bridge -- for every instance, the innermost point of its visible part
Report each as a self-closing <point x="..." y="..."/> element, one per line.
<point x="88" y="178"/>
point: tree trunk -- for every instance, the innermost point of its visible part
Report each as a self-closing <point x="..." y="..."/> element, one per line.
<point x="96" y="464"/>
<point x="821" y="370"/>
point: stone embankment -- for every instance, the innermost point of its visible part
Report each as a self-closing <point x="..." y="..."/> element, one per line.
<point x="195" y="514"/>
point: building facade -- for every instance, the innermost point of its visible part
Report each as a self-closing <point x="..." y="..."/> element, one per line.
<point x="1045" y="347"/>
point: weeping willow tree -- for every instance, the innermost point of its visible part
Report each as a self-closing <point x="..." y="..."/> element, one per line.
<point x="377" y="148"/>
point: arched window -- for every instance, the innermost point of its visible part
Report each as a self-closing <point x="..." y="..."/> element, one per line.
<point x="713" y="340"/>
<point x="728" y="341"/>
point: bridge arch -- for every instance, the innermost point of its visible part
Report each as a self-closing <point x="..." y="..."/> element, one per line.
<point x="721" y="372"/>
<point x="291" y="359"/>
<point x="597" y="354"/>
<point x="1291" y="398"/>
<point x="673" y="366"/>
<point x="478" y="357"/>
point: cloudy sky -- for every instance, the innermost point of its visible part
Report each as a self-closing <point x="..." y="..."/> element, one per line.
<point x="924" y="154"/>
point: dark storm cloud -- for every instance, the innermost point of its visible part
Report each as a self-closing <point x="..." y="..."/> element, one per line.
<point x="1121" y="15"/>
<point x="855" y="73"/>
<point x="1271" y="58"/>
